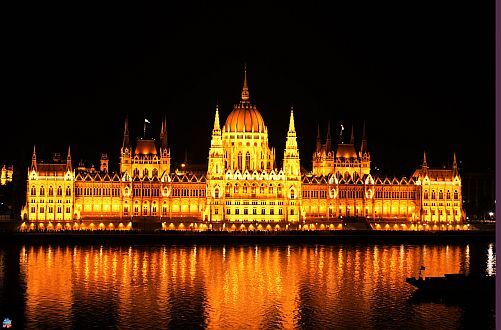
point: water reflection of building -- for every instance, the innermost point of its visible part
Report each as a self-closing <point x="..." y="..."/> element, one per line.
<point x="234" y="286"/>
<point x="243" y="188"/>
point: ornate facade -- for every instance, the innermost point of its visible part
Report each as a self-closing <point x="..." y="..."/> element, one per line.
<point x="242" y="188"/>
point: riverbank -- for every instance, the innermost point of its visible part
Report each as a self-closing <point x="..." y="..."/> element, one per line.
<point x="208" y="237"/>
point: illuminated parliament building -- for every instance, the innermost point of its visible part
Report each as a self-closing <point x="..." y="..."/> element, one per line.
<point x="241" y="188"/>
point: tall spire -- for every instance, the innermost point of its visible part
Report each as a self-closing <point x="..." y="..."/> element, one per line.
<point x="292" y="128"/>
<point x="454" y="165"/>
<point x="245" y="89"/>
<point x="163" y="133"/>
<point x="352" y="137"/>
<point x="319" y="140"/>
<point x="68" y="159"/>
<point x="216" y="119"/>
<point x="425" y="164"/>
<point x="125" y="143"/>
<point x="328" y="144"/>
<point x="34" y="158"/>
<point x="363" y="147"/>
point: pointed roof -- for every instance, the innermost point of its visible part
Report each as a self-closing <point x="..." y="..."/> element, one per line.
<point x="126" y="133"/>
<point x="319" y="141"/>
<point x="216" y="119"/>
<point x="291" y="121"/>
<point x="425" y="164"/>
<point x="363" y="147"/>
<point x="245" y="89"/>
<point x="163" y="133"/>
<point x="328" y="145"/>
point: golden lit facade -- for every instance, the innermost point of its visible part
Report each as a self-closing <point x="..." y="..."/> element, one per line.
<point x="242" y="189"/>
<point x="6" y="174"/>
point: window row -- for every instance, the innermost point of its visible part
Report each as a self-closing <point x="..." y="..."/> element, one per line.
<point x="80" y="191"/>
<point x="426" y="194"/>
<point x="59" y="191"/>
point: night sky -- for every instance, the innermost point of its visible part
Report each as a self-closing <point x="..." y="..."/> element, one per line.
<point x="421" y="74"/>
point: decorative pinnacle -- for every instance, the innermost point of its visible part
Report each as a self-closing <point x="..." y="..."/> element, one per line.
<point x="216" y="119"/>
<point x="291" y="121"/>
<point x="245" y="89"/>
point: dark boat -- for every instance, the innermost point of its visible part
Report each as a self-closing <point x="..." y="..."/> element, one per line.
<point x="454" y="284"/>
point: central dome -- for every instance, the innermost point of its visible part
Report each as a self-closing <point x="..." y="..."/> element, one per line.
<point x="244" y="118"/>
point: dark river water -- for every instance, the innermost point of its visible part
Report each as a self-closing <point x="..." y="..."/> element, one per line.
<point x="352" y="286"/>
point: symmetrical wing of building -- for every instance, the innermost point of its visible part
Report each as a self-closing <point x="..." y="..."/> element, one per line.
<point x="241" y="189"/>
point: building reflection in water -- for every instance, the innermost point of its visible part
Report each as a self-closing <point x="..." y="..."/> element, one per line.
<point x="344" y="285"/>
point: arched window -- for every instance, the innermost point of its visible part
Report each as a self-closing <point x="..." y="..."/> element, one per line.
<point x="228" y="188"/>
<point x="279" y="190"/>
<point x="59" y="191"/>
<point x="448" y="194"/>
<point x="433" y="195"/>
<point x="456" y="195"/>
<point x="68" y="191"/>
<point x="270" y="189"/>
<point x="240" y="160"/>
<point x="136" y="172"/>
<point x="235" y="189"/>
<point x="145" y="172"/>
<point x="261" y="189"/>
<point x="51" y="191"/>
<point x="426" y="194"/>
<point x="216" y="193"/>
<point x="33" y="191"/>
<point x="247" y="160"/>
<point x="154" y="172"/>
<point x="293" y="194"/>
<point x="441" y="194"/>
<point x="253" y="189"/>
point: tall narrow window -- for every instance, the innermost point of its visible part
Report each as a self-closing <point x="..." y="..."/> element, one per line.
<point x="51" y="191"/>
<point x="59" y="191"/>
<point x="456" y="195"/>
<point x="433" y="195"/>
<point x="240" y="160"/>
<point x="34" y="191"/>
<point x="247" y="161"/>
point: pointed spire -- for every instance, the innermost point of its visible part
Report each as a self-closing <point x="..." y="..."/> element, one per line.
<point x="291" y="121"/>
<point x="216" y="119"/>
<point x="363" y="147"/>
<point x="425" y="164"/>
<point x="126" y="133"/>
<point x="352" y="137"/>
<point x="328" y="144"/>
<point x="163" y="133"/>
<point x="68" y="159"/>
<point x="34" y="158"/>
<point x="319" y="140"/>
<point x="454" y="165"/>
<point x="245" y="89"/>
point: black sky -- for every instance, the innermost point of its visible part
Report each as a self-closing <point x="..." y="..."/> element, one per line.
<point x="419" y="73"/>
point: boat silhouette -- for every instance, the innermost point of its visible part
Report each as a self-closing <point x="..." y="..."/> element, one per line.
<point x="453" y="284"/>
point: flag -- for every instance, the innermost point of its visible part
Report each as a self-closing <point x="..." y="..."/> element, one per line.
<point x="146" y="121"/>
